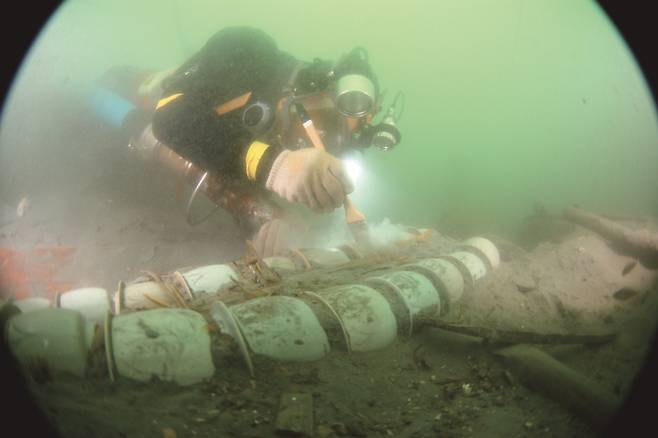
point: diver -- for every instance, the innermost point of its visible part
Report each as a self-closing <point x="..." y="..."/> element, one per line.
<point x="244" y="109"/>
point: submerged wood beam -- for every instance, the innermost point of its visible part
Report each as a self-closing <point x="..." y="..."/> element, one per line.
<point x="638" y="241"/>
<point x="519" y="337"/>
<point x="577" y="392"/>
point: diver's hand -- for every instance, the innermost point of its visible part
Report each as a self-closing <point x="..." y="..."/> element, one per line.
<point x="310" y="176"/>
<point x="276" y="236"/>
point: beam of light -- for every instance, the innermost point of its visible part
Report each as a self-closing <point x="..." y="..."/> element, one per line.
<point x="354" y="169"/>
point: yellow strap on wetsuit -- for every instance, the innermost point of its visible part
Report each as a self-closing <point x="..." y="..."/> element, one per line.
<point x="253" y="157"/>
<point x="232" y="104"/>
<point x="165" y="100"/>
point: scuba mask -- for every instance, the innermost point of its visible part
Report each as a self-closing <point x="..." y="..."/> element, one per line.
<point x="354" y="91"/>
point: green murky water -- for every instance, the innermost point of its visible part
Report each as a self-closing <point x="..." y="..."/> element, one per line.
<point x="508" y="103"/>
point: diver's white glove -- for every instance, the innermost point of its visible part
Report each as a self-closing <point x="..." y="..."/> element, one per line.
<point x="276" y="236"/>
<point x="310" y="176"/>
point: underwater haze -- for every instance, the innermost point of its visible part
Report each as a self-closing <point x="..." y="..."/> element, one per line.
<point x="477" y="276"/>
<point x="508" y="103"/>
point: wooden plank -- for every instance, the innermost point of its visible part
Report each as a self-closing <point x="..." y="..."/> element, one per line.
<point x="520" y="337"/>
<point x="542" y="372"/>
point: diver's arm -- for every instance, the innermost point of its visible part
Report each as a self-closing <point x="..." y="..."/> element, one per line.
<point x="200" y="116"/>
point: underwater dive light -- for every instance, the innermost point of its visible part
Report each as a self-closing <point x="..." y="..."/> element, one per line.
<point x="355" y="95"/>
<point x="385" y="135"/>
<point x="353" y="168"/>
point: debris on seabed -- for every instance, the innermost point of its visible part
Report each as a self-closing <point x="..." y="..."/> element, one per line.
<point x="295" y="414"/>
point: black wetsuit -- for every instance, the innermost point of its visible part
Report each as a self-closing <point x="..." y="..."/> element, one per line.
<point x="200" y="113"/>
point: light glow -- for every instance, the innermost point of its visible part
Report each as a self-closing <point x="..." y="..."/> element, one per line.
<point x="354" y="169"/>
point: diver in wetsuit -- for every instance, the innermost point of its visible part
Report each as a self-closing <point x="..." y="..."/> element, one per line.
<point x="242" y="108"/>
